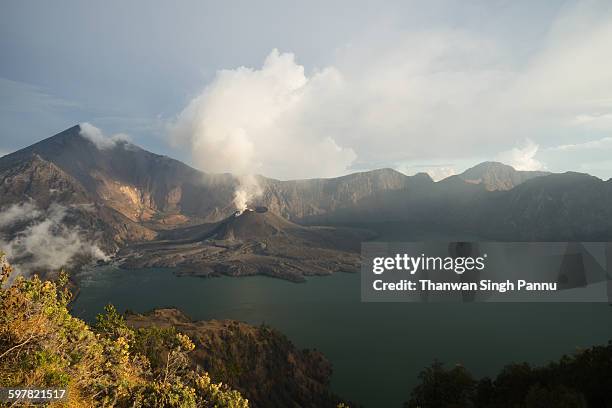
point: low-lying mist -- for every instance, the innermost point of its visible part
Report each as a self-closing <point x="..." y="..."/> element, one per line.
<point x="39" y="240"/>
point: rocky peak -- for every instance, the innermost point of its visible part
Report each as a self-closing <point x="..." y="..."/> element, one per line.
<point x="498" y="176"/>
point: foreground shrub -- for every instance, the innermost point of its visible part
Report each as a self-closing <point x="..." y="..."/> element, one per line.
<point x="108" y="365"/>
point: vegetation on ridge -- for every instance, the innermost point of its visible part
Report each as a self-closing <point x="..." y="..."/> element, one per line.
<point x="583" y="380"/>
<point x="107" y="365"/>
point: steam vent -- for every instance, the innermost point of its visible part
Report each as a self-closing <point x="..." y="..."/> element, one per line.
<point x="258" y="209"/>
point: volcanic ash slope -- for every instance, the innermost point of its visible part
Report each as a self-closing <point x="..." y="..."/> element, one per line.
<point x="255" y="242"/>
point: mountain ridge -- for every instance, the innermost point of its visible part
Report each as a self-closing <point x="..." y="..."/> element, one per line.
<point x="145" y="186"/>
<point x="139" y="196"/>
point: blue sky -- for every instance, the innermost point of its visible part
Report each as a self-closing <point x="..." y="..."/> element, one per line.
<point x="325" y="87"/>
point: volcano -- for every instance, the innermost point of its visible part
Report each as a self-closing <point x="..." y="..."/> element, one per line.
<point x="255" y="241"/>
<point x="257" y="223"/>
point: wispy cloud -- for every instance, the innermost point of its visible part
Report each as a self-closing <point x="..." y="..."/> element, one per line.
<point x="43" y="241"/>
<point x="29" y="113"/>
<point x="603" y="143"/>
<point x="23" y="97"/>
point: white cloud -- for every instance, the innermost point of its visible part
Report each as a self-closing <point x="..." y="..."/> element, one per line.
<point x="97" y="137"/>
<point x="45" y="243"/>
<point x="590" y="156"/>
<point x="601" y="121"/>
<point x="452" y="94"/>
<point x="440" y="173"/>
<point x="251" y="121"/>
<point x="603" y="143"/>
<point x="598" y="168"/>
<point x="398" y="95"/>
<point x="523" y="157"/>
<point x="437" y="172"/>
<point x="405" y="96"/>
<point x="29" y="113"/>
<point x="29" y="98"/>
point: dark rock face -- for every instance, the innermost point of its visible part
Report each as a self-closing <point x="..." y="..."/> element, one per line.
<point x="45" y="183"/>
<point x="299" y="200"/>
<point x="140" y="185"/>
<point x="36" y="177"/>
<point x="258" y="361"/>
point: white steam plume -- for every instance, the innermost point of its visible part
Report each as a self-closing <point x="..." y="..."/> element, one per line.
<point x="248" y="189"/>
<point x="46" y="243"/>
<point x="255" y="121"/>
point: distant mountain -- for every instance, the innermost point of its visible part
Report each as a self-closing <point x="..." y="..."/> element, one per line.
<point x="497" y="176"/>
<point x="569" y="206"/>
<point x="303" y="199"/>
<point x="556" y="207"/>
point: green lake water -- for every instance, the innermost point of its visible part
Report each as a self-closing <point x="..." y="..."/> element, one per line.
<point x="377" y="349"/>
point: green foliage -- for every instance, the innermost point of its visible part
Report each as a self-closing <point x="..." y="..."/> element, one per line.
<point x="556" y="396"/>
<point x="579" y="381"/>
<point x="107" y="365"/>
<point x="112" y="324"/>
<point x="454" y="388"/>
